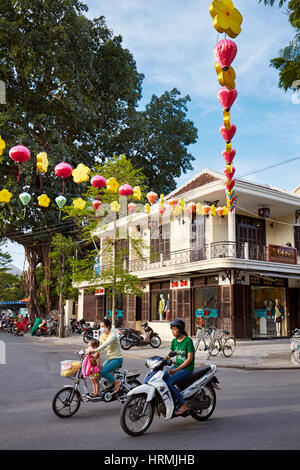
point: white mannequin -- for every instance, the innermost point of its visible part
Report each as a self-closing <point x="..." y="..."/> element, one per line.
<point x="277" y="315"/>
<point x="263" y="322"/>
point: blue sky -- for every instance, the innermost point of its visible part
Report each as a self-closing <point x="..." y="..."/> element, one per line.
<point x="172" y="42"/>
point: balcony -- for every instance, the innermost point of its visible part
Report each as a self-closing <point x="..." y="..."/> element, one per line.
<point x="229" y="250"/>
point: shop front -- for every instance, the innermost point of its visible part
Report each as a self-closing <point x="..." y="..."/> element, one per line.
<point x="206" y="302"/>
<point x="160" y="301"/>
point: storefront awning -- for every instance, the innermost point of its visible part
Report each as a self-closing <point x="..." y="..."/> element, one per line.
<point x="13" y="302"/>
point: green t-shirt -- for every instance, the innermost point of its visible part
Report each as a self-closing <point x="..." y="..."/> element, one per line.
<point x="183" y="348"/>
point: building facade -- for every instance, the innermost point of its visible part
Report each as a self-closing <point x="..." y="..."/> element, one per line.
<point x="239" y="272"/>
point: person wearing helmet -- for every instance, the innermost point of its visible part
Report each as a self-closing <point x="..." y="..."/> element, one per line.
<point x="183" y="368"/>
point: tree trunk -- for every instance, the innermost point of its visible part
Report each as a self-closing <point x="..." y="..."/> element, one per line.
<point x="33" y="259"/>
<point x="61" y="310"/>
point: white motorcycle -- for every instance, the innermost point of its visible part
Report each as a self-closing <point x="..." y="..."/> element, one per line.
<point x="154" y="397"/>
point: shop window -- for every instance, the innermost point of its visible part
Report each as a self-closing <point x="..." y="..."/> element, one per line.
<point x="206" y="306"/>
<point x="160" y="305"/>
<point x="269" y="312"/>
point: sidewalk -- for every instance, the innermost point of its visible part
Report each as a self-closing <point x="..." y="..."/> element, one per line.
<point x="260" y="354"/>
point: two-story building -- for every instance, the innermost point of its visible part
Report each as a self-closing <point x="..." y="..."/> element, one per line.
<point x="231" y="271"/>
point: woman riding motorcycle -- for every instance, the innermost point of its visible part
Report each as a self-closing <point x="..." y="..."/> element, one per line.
<point x="184" y="365"/>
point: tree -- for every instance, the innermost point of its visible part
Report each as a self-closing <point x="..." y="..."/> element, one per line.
<point x="11" y="287"/>
<point x="288" y="62"/>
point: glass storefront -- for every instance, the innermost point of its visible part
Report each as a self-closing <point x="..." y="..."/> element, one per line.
<point x="206" y="306"/>
<point x="119" y="309"/>
<point x="160" y="305"/>
<point x="268" y="312"/>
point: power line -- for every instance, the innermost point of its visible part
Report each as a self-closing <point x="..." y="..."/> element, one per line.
<point x="270" y="167"/>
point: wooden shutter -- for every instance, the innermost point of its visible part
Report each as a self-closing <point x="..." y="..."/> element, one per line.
<point x="100" y="307"/>
<point x="181" y="306"/>
<point x="297" y="238"/>
<point x="225" y="308"/>
<point x="145" y="306"/>
<point x="89" y="307"/>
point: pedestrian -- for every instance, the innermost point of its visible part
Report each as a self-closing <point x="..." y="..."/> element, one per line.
<point x="114" y="357"/>
<point x="183" y="368"/>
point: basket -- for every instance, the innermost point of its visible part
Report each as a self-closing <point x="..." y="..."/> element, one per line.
<point x="69" y="368"/>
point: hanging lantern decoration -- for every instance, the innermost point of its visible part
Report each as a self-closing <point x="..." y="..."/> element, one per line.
<point x="206" y="209"/>
<point x="162" y="210"/>
<point x="152" y="197"/>
<point x="125" y="190"/>
<point x="213" y="211"/>
<point x="97" y="204"/>
<point x="115" y="206"/>
<point x="43" y="200"/>
<point x="42" y="162"/>
<point x="173" y="203"/>
<point x="25" y="198"/>
<point x="5" y="196"/>
<point x="2" y="145"/>
<point x="19" y="154"/>
<point x="220" y="211"/>
<point x="112" y="185"/>
<point x="98" y="182"/>
<point x="137" y="193"/>
<point x="132" y="208"/>
<point x="147" y="208"/>
<point x="191" y="209"/>
<point x="181" y="205"/>
<point x="63" y="170"/>
<point x="226" y="19"/>
<point x="79" y="204"/>
<point x="81" y="174"/>
<point x="60" y="201"/>
<point x="199" y="209"/>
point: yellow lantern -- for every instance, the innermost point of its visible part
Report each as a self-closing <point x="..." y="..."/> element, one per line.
<point x="112" y="185"/>
<point x="42" y="162"/>
<point x="81" y="174"/>
<point x="115" y="206"/>
<point x="213" y="210"/>
<point x="181" y="204"/>
<point x="137" y="193"/>
<point x="2" y="145"/>
<point x="225" y="77"/>
<point x="5" y="196"/>
<point x="147" y="208"/>
<point x="43" y="200"/>
<point x="79" y="204"/>
<point x="227" y="19"/>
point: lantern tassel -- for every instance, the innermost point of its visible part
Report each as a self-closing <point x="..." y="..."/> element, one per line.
<point x="19" y="173"/>
<point x="63" y="191"/>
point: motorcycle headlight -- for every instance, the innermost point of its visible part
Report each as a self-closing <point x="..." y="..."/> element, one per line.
<point x="153" y="362"/>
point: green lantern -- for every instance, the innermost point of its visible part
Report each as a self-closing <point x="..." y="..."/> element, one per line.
<point x="60" y="201"/>
<point x="25" y="198"/>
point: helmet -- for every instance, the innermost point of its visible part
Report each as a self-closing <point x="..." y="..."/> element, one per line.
<point x="179" y="323"/>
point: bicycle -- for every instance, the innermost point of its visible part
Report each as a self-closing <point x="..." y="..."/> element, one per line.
<point x="295" y="346"/>
<point x="202" y="340"/>
<point x="221" y="341"/>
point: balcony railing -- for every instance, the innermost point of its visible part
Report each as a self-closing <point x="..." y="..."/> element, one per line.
<point x="209" y="251"/>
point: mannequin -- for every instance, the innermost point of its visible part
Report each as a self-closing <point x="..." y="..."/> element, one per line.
<point x="161" y="306"/>
<point x="277" y="317"/>
<point x="167" y="308"/>
<point x="263" y="321"/>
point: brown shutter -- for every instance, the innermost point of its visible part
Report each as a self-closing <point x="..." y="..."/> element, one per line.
<point x="100" y="307"/>
<point x="225" y="307"/>
<point x="89" y="307"/>
<point x="145" y="306"/>
<point x="181" y="306"/>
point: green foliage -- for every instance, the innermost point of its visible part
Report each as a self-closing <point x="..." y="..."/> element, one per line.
<point x="11" y="286"/>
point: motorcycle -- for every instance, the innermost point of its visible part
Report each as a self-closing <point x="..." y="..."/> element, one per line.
<point x="76" y="326"/>
<point x="295" y="346"/>
<point x="130" y="337"/>
<point x="154" y="397"/>
<point x="21" y="326"/>
<point x="87" y="334"/>
<point x="67" y="401"/>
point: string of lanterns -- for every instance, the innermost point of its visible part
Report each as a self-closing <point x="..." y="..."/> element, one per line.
<point x="227" y="19"/>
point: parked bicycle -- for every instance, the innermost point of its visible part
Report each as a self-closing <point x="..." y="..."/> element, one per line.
<point x="202" y="339"/>
<point x="67" y="401"/>
<point x="295" y="346"/>
<point x="221" y="340"/>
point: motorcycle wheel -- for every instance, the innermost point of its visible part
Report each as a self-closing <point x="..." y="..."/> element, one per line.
<point x="155" y="341"/>
<point x="87" y="337"/>
<point x="202" y="415"/>
<point x="66" y="402"/>
<point x="132" y="422"/>
<point x="124" y="343"/>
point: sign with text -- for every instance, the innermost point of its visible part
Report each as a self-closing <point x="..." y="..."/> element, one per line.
<point x="180" y="284"/>
<point x="100" y="291"/>
<point x="263" y="313"/>
<point x="206" y="313"/>
<point x="282" y="254"/>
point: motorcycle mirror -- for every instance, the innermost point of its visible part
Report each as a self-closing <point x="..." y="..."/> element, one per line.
<point x="172" y="353"/>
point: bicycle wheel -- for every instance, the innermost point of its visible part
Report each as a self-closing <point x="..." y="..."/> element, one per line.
<point x="202" y="346"/>
<point x="229" y="346"/>
<point x="214" y="348"/>
<point x="66" y="402"/>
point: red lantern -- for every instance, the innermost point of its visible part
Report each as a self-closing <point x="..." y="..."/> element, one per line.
<point x="64" y="170"/>
<point x="19" y="154"/>
<point x="227" y="97"/>
<point x="97" y="204"/>
<point x="228" y="134"/>
<point x="225" y="52"/>
<point x="98" y="182"/>
<point x="229" y="174"/>
<point x="229" y="156"/>
<point x="125" y="190"/>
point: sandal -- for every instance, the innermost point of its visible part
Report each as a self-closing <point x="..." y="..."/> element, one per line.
<point x="117" y="388"/>
<point x="180" y="412"/>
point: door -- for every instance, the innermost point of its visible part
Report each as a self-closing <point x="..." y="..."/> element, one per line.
<point x="252" y="231"/>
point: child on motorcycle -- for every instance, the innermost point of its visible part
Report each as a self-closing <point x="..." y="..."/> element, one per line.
<point x="95" y="365"/>
<point x="184" y="365"/>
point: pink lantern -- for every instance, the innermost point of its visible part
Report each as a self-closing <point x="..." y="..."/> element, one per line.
<point x="125" y="190"/>
<point x="97" y="204"/>
<point x="230" y="184"/>
<point x="132" y="207"/>
<point x="19" y="154"/>
<point x="227" y="97"/>
<point x="229" y="174"/>
<point x="64" y="170"/>
<point x="228" y="134"/>
<point x="229" y="156"/>
<point x="98" y="182"/>
<point x="225" y="52"/>
<point x="162" y="210"/>
<point x="191" y="208"/>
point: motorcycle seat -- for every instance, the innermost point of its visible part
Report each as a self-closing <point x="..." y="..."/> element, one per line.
<point x="197" y="374"/>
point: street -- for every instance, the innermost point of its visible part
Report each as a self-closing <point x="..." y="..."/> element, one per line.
<point x="256" y="410"/>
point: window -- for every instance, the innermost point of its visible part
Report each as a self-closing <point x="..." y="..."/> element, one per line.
<point x="297" y="238"/>
<point x="160" y="241"/>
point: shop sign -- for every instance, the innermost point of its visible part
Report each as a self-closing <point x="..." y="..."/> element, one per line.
<point x="282" y="254"/>
<point x="100" y="291"/>
<point x="206" y="313"/>
<point x="182" y="283"/>
<point x="263" y="313"/>
<point x="119" y="313"/>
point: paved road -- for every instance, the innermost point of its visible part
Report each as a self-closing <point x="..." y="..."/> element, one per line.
<point x="258" y="409"/>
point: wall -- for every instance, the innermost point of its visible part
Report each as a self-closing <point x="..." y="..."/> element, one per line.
<point x="280" y="234"/>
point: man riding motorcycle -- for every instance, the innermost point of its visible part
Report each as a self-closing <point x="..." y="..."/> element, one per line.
<point x="184" y="365"/>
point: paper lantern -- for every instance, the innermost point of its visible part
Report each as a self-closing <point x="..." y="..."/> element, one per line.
<point x="228" y="134"/>
<point x="176" y="211"/>
<point x="115" y="206"/>
<point x="226" y="119"/>
<point x="98" y="182"/>
<point x="225" y="77"/>
<point x="162" y="200"/>
<point x="229" y="156"/>
<point x="79" y="204"/>
<point x="206" y="209"/>
<point x="220" y="211"/>
<point x="112" y="185"/>
<point x="5" y="196"/>
<point x="97" y="204"/>
<point x="19" y="154"/>
<point x="137" y="193"/>
<point x="42" y="162"/>
<point x="125" y="190"/>
<point x="227" y="19"/>
<point x="2" y="145"/>
<point x="81" y="174"/>
<point x="191" y="208"/>
<point x="132" y="207"/>
<point x="63" y="170"/>
<point x="199" y="209"/>
<point x="230" y="184"/>
<point x="60" y="201"/>
<point x="25" y="198"/>
<point x="213" y="210"/>
<point x="227" y="97"/>
<point x="147" y="208"/>
<point x="43" y="200"/>
<point x="225" y="52"/>
<point x="162" y="210"/>
<point x="229" y="173"/>
<point x="152" y="197"/>
<point x="225" y="212"/>
<point x="181" y="205"/>
<point x="173" y="202"/>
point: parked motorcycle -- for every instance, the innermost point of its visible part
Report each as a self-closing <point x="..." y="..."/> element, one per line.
<point x="21" y="326"/>
<point x="67" y="401"/>
<point x="76" y="326"/>
<point x="154" y="397"/>
<point x="87" y="334"/>
<point x="130" y="337"/>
